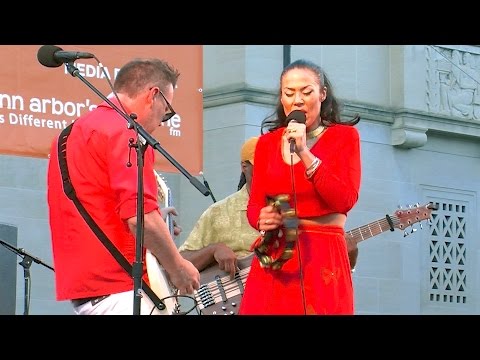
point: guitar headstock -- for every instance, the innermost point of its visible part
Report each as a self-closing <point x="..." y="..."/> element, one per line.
<point x="414" y="214"/>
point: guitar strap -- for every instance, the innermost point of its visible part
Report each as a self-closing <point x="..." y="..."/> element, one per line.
<point x="70" y="192"/>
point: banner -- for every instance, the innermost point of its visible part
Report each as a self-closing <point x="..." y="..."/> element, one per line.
<point x="38" y="102"/>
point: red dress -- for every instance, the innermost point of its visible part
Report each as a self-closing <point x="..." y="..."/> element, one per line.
<point x="317" y="278"/>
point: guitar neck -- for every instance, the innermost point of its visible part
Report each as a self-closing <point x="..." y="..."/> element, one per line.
<point x="372" y="229"/>
<point x="165" y="200"/>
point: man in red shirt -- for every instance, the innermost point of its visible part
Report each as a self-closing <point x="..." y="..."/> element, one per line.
<point x="97" y="154"/>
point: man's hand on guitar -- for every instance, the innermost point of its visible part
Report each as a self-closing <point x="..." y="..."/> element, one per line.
<point x="352" y="257"/>
<point x="185" y="278"/>
<point x="172" y="211"/>
<point x="226" y="259"/>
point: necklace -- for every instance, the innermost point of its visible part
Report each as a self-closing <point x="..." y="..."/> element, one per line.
<point x="315" y="132"/>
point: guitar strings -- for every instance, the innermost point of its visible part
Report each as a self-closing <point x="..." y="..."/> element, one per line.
<point x="225" y="285"/>
<point x="214" y="289"/>
<point x="383" y="224"/>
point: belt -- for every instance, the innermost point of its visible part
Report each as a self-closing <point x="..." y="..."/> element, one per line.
<point x="94" y="300"/>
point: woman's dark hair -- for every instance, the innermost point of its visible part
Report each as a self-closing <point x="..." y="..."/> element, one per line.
<point x="330" y="112"/>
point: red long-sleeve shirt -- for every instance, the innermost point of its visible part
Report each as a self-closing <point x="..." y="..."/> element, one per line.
<point x="97" y="156"/>
<point x="334" y="187"/>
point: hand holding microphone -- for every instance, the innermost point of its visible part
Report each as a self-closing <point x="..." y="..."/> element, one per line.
<point x="296" y="116"/>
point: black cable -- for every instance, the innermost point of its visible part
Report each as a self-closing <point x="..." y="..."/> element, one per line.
<point x="195" y="304"/>
<point x="300" y="267"/>
<point x="208" y="187"/>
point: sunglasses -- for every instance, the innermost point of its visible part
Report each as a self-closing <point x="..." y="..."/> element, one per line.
<point x="172" y="112"/>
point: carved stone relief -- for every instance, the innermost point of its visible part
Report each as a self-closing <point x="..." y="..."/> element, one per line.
<point x="453" y="82"/>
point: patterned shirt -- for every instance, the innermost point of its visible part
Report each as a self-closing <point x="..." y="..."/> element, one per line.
<point x="224" y="222"/>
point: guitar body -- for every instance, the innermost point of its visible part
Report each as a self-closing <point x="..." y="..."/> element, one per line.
<point x="157" y="275"/>
<point x="220" y="295"/>
<point x="160" y="284"/>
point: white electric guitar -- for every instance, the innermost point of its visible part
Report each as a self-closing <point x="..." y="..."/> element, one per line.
<point x="157" y="275"/>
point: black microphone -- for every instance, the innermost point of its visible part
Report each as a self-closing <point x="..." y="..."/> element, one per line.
<point x="53" y="56"/>
<point x="299" y="117"/>
<point x="208" y="186"/>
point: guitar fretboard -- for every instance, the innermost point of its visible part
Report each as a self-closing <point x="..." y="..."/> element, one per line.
<point x="374" y="228"/>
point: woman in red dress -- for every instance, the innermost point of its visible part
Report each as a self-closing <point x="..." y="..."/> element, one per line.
<point x="312" y="165"/>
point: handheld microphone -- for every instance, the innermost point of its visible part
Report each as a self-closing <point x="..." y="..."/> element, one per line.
<point x="207" y="186"/>
<point x="299" y="117"/>
<point x="54" y="56"/>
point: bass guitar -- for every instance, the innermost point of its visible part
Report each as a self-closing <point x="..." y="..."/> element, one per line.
<point x="221" y="295"/>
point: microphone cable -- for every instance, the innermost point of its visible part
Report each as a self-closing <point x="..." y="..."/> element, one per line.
<point x="294" y="190"/>
<point x="111" y="85"/>
<point x="297" y="245"/>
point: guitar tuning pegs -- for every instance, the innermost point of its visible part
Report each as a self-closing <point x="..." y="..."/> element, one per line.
<point x="413" y="230"/>
<point x="405" y="233"/>
<point x="400" y="207"/>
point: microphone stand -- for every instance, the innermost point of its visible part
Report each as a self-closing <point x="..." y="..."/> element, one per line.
<point x="208" y="187"/>
<point x="143" y="140"/>
<point x="211" y="193"/>
<point x="26" y="262"/>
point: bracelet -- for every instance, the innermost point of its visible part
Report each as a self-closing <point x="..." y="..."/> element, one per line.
<point x="313" y="164"/>
<point x="312" y="168"/>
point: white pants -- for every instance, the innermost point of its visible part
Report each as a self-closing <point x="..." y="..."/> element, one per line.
<point x="119" y="304"/>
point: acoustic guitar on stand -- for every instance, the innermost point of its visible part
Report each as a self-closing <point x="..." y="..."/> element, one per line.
<point x="221" y="295"/>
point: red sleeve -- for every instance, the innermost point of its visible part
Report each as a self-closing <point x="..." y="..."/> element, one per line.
<point x="337" y="179"/>
<point x="124" y="179"/>
<point x="258" y="192"/>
